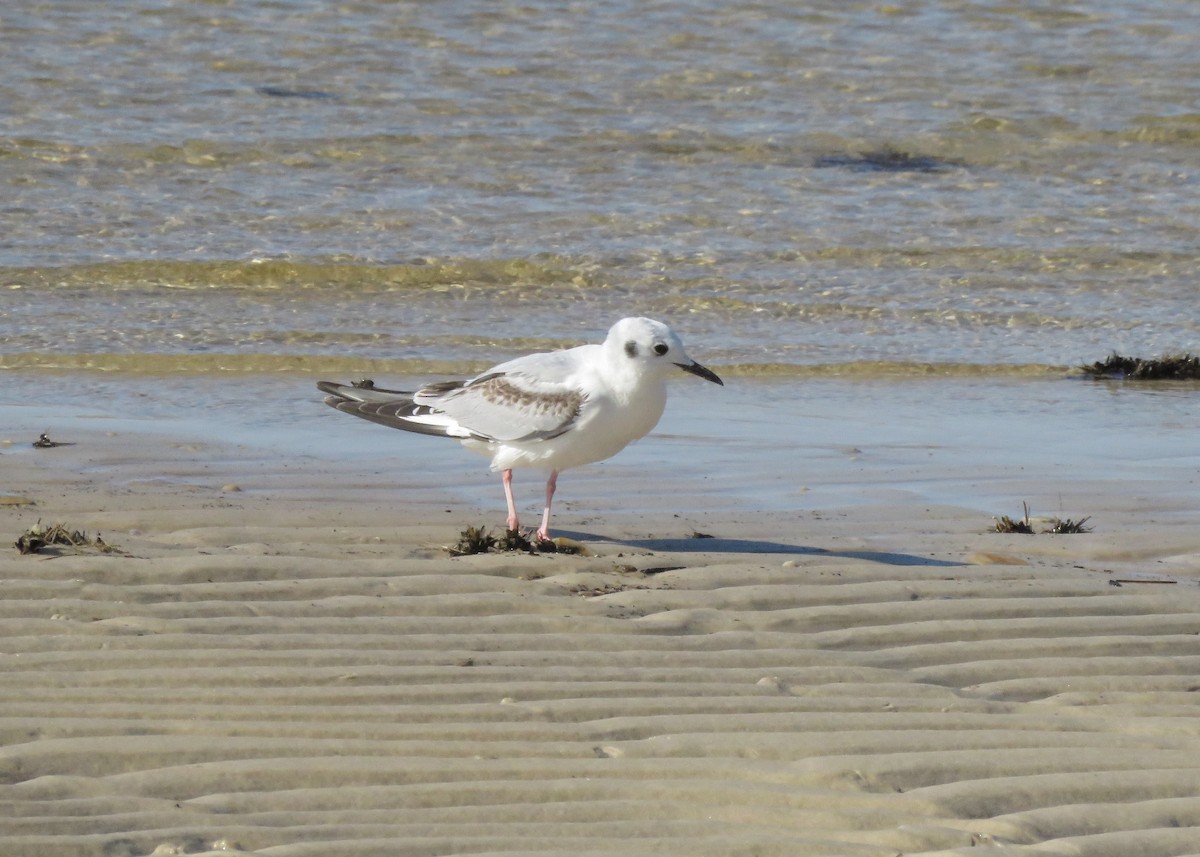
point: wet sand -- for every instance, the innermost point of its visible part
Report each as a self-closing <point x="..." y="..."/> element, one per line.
<point x="281" y="660"/>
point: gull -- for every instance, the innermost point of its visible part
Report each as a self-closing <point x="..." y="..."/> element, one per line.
<point x="551" y="410"/>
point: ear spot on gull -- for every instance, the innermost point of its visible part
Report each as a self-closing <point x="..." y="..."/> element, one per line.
<point x="631" y="348"/>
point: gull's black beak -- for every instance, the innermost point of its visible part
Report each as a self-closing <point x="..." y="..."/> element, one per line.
<point x="697" y="369"/>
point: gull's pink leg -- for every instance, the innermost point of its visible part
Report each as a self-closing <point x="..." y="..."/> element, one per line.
<point x="513" y="523"/>
<point x="551" y="485"/>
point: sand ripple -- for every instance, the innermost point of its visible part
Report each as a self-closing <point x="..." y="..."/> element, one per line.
<point x="309" y="689"/>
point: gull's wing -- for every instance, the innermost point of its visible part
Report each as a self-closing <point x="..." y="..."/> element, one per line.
<point x="512" y="407"/>
<point x="532" y="398"/>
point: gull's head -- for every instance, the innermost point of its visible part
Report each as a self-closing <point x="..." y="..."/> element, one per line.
<point x="653" y="348"/>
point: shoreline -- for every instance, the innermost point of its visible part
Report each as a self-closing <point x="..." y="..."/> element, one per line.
<point x="719" y="460"/>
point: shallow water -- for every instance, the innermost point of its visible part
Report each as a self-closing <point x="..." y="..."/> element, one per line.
<point x="272" y="185"/>
<point x="719" y="454"/>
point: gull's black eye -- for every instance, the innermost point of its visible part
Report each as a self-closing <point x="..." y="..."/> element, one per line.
<point x="661" y="348"/>
<point x="631" y="348"/>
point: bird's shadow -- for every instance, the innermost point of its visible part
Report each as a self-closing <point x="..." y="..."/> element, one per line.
<point x="709" y="544"/>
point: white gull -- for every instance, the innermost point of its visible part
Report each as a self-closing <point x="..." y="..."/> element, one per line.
<point x="551" y="410"/>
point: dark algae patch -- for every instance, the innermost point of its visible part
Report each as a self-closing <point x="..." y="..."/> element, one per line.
<point x="1169" y="367"/>
<point x="887" y="160"/>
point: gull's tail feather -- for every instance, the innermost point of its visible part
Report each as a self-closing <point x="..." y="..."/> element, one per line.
<point x="391" y="408"/>
<point x="363" y="391"/>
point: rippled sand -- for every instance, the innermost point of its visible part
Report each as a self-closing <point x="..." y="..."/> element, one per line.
<point x="285" y="669"/>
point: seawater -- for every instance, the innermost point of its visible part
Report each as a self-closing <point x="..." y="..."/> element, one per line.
<point x="899" y="187"/>
<point x="911" y="219"/>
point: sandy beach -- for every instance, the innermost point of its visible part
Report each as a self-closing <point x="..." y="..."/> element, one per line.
<point x="279" y="658"/>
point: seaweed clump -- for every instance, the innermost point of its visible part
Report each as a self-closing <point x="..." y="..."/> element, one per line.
<point x="1169" y="367"/>
<point x="476" y="540"/>
<point x="37" y="538"/>
<point x="1067" y="526"/>
<point x="1006" y="524"/>
<point x="1057" y="526"/>
<point x="472" y="540"/>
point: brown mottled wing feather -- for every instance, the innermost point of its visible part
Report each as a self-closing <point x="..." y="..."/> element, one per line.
<point x="512" y="407"/>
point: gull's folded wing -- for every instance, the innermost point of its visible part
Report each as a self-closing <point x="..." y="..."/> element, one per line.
<point x="492" y="407"/>
<point x="512" y="407"/>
